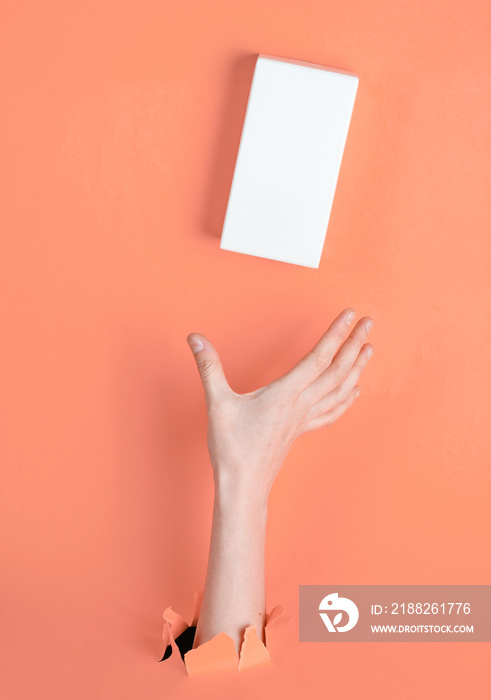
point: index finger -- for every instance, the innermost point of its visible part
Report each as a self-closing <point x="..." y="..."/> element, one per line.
<point x="320" y="357"/>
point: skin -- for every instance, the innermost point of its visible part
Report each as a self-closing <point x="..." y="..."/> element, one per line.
<point x="249" y="436"/>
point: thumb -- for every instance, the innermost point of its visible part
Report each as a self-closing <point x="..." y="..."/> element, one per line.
<point x="209" y="366"/>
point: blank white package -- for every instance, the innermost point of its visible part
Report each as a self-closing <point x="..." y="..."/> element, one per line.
<point x="287" y="167"/>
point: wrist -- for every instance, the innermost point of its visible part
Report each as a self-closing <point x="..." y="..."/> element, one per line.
<point x="239" y="497"/>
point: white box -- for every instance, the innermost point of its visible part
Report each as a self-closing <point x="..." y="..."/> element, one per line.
<point x="290" y="152"/>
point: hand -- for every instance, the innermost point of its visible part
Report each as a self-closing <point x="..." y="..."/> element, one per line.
<point x="249" y="435"/>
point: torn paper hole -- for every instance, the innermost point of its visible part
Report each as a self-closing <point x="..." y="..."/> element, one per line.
<point x="217" y="654"/>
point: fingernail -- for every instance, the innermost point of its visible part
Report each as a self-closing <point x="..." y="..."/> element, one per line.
<point x="350" y="317"/>
<point x="195" y="344"/>
<point x="369" y="352"/>
<point x="368" y="325"/>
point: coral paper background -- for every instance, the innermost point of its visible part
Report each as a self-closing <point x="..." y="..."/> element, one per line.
<point x="120" y="122"/>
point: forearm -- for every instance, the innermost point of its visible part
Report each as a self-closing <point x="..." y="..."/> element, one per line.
<point x="234" y="593"/>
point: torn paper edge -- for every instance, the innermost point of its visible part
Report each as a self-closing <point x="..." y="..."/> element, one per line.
<point x="219" y="653"/>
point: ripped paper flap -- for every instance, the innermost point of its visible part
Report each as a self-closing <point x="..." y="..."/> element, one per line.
<point x="217" y="654"/>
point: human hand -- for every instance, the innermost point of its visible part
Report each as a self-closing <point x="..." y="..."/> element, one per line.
<point x="249" y="435"/>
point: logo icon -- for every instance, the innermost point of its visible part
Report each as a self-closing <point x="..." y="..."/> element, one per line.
<point x="332" y="603"/>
